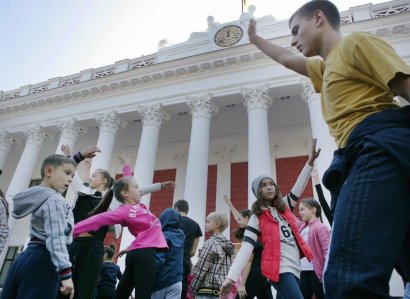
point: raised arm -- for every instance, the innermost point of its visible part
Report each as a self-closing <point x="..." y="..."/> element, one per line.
<point x="234" y="211"/>
<point x="303" y="177"/>
<point x="280" y="54"/>
<point x="95" y="222"/>
<point x="321" y="196"/>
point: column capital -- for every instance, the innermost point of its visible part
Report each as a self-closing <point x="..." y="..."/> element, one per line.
<point x="6" y="141"/>
<point x="257" y="98"/>
<point x="181" y="158"/>
<point x="309" y="94"/>
<point x="202" y="106"/>
<point x="153" y="115"/>
<point x="36" y="135"/>
<point x="110" y="122"/>
<point x="225" y="153"/>
<point x="71" y="129"/>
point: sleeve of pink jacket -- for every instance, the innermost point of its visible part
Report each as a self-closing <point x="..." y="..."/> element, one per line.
<point x="118" y="216"/>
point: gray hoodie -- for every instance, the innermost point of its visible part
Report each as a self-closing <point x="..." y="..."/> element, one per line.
<point x="51" y="220"/>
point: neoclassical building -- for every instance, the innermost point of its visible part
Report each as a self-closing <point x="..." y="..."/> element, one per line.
<point x="211" y="113"/>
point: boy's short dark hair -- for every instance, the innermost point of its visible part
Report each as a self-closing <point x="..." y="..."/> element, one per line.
<point x="55" y="161"/>
<point x="329" y="9"/>
<point x="182" y="206"/>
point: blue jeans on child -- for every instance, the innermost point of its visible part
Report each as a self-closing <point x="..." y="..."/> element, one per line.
<point x="32" y="275"/>
<point x="287" y="287"/>
<point x="371" y="231"/>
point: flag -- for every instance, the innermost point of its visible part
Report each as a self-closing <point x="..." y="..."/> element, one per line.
<point x="245" y="3"/>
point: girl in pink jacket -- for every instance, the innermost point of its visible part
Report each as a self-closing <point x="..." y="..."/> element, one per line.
<point x="317" y="236"/>
<point x="140" y="261"/>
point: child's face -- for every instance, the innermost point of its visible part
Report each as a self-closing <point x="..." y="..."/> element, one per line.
<point x="133" y="193"/>
<point x="97" y="179"/>
<point x="211" y="225"/>
<point x="59" y="177"/>
<point x="306" y="213"/>
<point x="243" y="221"/>
<point x="304" y="35"/>
<point x="267" y="189"/>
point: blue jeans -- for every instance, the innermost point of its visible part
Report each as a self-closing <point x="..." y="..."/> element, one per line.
<point x="371" y="227"/>
<point x="287" y="287"/>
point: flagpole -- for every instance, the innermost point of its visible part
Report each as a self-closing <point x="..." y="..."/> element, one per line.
<point x="242" y="5"/>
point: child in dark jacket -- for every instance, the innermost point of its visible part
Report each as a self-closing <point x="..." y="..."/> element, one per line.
<point x="110" y="272"/>
<point x="168" y="282"/>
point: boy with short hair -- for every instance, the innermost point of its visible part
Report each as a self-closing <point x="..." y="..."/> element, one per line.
<point x="214" y="260"/>
<point x="357" y="76"/>
<point x="39" y="270"/>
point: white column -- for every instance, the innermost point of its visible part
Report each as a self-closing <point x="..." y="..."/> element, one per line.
<point x="180" y="177"/>
<point x="319" y="129"/>
<point x="223" y="183"/>
<point x="152" y="118"/>
<point x="201" y="109"/>
<point x="69" y="131"/>
<point x="6" y="143"/>
<point x="36" y="137"/>
<point x="109" y="124"/>
<point x="259" y="162"/>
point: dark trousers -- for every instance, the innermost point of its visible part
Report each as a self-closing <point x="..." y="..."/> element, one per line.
<point x="86" y="255"/>
<point x="139" y="273"/>
<point x="32" y="275"/>
<point x="185" y="274"/>
<point x="105" y="292"/>
<point x="310" y="284"/>
<point x="371" y="227"/>
<point x="257" y="285"/>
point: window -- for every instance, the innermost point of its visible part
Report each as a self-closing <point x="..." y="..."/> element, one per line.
<point x="11" y="255"/>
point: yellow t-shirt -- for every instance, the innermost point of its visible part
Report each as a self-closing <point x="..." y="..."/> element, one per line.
<point x="353" y="81"/>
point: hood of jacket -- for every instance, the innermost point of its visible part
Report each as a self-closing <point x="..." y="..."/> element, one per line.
<point x="169" y="219"/>
<point x="29" y="200"/>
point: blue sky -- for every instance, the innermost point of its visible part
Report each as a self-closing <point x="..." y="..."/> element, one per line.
<point x="42" y="39"/>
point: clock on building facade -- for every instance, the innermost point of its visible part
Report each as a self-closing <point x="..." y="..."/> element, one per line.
<point x="228" y="36"/>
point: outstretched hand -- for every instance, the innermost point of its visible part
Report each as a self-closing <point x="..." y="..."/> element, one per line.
<point x="66" y="150"/>
<point x="123" y="159"/>
<point x="168" y="185"/>
<point x="90" y="151"/>
<point x="313" y="153"/>
<point x="227" y="200"/>
<point x="225" y="288"/>
<point x="251" y="29"/>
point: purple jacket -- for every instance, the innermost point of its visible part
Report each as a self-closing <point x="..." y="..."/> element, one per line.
<point x="318" y="240"/>
<point x="141" y="223"/>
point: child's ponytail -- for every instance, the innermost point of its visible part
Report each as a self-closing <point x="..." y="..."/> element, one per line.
<point x="104" y="203"/>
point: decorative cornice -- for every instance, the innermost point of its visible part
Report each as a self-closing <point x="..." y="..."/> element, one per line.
<point x="257" y="98"/>
<point x="225" y="154"/>
<point x="202" y="106"/>
<point x="71" y="129"/>
<point x="114" y="84"/>
<point x="6" y="141"/>
<point x="309" y="94"/>
<point x="153" y="115"/>
<point x="36" y="135"/>
<point x="110" y="122"/>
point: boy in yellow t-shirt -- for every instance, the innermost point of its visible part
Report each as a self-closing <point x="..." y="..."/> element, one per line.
<point x="358" y="76"/>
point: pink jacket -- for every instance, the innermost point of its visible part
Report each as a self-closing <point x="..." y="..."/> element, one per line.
<point x="141" y="223"/>
<point x="318" y="239"/>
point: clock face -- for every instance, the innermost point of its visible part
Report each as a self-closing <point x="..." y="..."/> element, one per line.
<point x="228" y="36"/>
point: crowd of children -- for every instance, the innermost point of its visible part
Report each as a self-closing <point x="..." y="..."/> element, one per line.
<point x="357" y="76"/>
